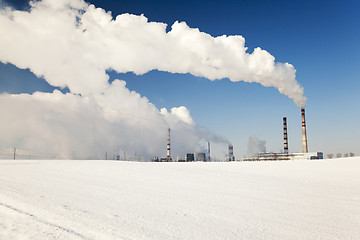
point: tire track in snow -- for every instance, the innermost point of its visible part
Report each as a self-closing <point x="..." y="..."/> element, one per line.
<point x="44" y="222"/>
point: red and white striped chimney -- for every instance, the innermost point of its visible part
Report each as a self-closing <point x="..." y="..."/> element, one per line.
<point x="304" y="139"/>
<point x="286" y="147"/>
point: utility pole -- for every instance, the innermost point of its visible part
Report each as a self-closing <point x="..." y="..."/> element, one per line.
<point x="14" y="153"/>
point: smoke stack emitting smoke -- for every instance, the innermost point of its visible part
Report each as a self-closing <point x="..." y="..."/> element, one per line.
<point x="304" y="138"/>
<point x="81" y="42"/>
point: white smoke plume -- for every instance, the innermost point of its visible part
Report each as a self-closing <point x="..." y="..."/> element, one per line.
<point x="71" y="43"/>
<point x="74" y="126"/>
<point x="256" y="145"/>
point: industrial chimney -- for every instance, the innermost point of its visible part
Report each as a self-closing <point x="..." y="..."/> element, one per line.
<point x="209" y="159"/>
<point x="286" y="148"/>
<point x="168" y="157"/>
<point x="231" y="153"/>
<point x="304" y="139"/>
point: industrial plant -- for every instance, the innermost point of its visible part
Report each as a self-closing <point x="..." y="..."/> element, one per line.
<point x="189" y="157"/>
<point x="286" y="155"/>
<point x="168" y="155"/>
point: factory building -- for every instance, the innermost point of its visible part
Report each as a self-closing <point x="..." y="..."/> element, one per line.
<point x="201" y="157"/>
<point x="190" y="157"/>
<point x="284" y="156"/>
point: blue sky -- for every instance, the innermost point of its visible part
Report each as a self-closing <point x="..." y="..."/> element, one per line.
<point x="321" y="39"/>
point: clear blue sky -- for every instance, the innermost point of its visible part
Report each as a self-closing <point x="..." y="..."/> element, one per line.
<point x="320" y="38"/>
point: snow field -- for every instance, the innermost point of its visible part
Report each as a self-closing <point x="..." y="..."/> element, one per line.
<point x="53" y="199"/>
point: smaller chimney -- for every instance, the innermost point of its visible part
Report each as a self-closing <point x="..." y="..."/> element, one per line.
<point x="231" y="153"/>
<point x="168" y="156"/>
<point x="286" y="148"/>
<point x="209" y="159"/>
<point x="304" y="139"/>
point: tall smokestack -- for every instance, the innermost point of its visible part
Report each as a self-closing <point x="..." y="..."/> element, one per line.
<point x="168" y="157"/>
<point x="286" y="147"/>
<point x="304" y="139"/>
<point x="209" y="159"/>
<point x="231" y="153"/>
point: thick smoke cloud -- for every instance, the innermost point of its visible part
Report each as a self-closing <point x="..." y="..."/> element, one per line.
<point x="73" y="126"/>
<point x="71" y="43"/>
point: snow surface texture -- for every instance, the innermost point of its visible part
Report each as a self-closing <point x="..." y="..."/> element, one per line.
<point x="131" y="200"/>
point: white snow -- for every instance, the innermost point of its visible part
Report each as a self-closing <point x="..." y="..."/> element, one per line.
<point x="53" y="199"/>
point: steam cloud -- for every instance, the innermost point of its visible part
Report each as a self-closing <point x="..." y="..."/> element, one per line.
<point x="256" y="145"/>
<point x="71" y="43"/>
<point x="74" y="126"/>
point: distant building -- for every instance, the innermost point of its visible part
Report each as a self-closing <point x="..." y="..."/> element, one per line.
<point x="190" y="157"/>
<point x="165" y="159"/>
<point x="201" y="157"/>
<point x="285" y="156"/>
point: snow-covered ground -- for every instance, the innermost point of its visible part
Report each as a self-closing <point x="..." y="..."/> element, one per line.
<point x="130" y="200"/>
